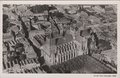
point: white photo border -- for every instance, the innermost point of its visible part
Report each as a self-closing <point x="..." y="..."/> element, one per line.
<point x="4" y="75"/>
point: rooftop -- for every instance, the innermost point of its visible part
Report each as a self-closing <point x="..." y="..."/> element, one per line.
<point x="83" y="64"/>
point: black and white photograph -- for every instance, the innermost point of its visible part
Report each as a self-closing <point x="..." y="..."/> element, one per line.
<point x="59" y="38"/>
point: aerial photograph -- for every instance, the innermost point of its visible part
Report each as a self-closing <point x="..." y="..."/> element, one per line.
<point x="59" y="38"/>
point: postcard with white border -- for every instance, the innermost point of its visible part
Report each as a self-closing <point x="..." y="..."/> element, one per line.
<point x="54" y="39"/>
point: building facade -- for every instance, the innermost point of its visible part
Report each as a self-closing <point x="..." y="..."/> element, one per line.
<point x="64" y="52"/>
